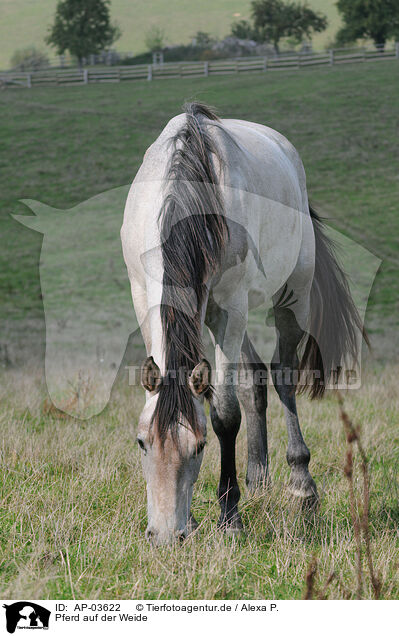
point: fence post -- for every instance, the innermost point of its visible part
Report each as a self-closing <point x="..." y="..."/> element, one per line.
<point x="85" y="76"/>
<point x="206" y="69"/>
<point x="265" y="64"/>
<point x="149" y="74"/>
<point x="29" y="80"/>
<point x="397" y="50"/>
<point x="331" y="57"/>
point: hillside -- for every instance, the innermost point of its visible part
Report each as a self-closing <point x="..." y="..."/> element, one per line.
<point x="326" y="113"/>
<point x="25" y="22"/>
<point x="74" y="508"/>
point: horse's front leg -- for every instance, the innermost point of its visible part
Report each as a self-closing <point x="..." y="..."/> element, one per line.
<point x="227" y="335"/>
<point x="226" y="419"/>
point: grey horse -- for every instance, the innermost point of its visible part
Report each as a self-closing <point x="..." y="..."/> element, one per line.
<point x="218" y="221"/>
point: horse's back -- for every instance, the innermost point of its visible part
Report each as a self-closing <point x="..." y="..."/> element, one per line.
<point x="264" y="188"/>
<point x="265" y="197"/>
<point x="269" y="162"/>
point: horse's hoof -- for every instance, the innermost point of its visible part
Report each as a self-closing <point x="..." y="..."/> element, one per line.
<point x="304" y="491"/>
<point x="310" y="504"/>
<point x="232" y="527"/>
<point x="234" y="531"/>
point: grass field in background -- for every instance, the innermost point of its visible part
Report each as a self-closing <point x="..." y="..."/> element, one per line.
<point x="23" y="22"/>
<point x="61" y="146"/>
<point x="73" y="513"/>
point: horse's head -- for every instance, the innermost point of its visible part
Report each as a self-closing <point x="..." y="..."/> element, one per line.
<point x="171" y="454"/>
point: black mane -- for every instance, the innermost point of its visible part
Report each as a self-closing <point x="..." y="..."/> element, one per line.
<point x="193" y="233"/>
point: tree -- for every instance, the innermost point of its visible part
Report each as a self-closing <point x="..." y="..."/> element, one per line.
<point x="82" y="27"/>
<point x="243" y="30"/>
<point x="375" y="19"/>
<point x="29" y="59"/>
<point x="155" y="39"/>
<point x="203" y="40"/>
<point x="274" y="19"/>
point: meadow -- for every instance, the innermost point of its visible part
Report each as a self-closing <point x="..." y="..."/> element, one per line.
<point x="72" y="513"/>
<point x="24" y="23"/>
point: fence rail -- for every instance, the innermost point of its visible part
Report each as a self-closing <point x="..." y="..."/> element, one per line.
<point x="72" y="77"/>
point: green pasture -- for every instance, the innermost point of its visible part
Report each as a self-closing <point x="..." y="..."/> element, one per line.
<point x="72" y="514"/>
<point x="23" y="22"/>
<point x="62" y="146"/>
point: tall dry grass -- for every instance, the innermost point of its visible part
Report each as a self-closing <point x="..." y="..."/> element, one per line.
<point x="73" y="509"/>
<point x="360" y="518"/>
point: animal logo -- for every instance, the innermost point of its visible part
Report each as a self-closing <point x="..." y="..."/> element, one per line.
<point x="26" y="615"/>
<point x="86" y="299"/>
<point x="87" y="302"/>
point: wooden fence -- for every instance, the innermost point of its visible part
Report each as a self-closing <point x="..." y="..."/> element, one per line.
<point x="71" y="76"/>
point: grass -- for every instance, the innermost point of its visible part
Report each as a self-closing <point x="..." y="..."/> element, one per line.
<point x="24" y="23"/>
<point x="342" y="121"/>
<point x="73" y="506"/>
<point x="72" y="513"/>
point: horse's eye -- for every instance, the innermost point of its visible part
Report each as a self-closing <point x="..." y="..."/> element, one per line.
<point x="200" y="448"/>
<point x="142" y="445"/>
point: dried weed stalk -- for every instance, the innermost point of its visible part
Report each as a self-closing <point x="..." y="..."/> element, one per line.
<point x="359" y="512"/>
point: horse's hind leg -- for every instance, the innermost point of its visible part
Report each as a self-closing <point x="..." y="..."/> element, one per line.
<point x="252" y="393"/>
<point x="284" y="371"/>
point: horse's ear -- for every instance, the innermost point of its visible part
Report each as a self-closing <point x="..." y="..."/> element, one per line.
<point x="150" y="375"/>
<point x="43" y="218"/>
<point x="200" y="378"/>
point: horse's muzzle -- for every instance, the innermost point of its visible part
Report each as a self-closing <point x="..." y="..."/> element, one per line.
<point x="156" y="538"/>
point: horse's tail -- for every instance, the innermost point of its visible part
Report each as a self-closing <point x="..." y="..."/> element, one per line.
<point x="193" y="232"/>
<point x="334" y="319"/>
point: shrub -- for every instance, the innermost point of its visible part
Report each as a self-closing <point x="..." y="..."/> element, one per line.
<point x="29" y="59"/>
